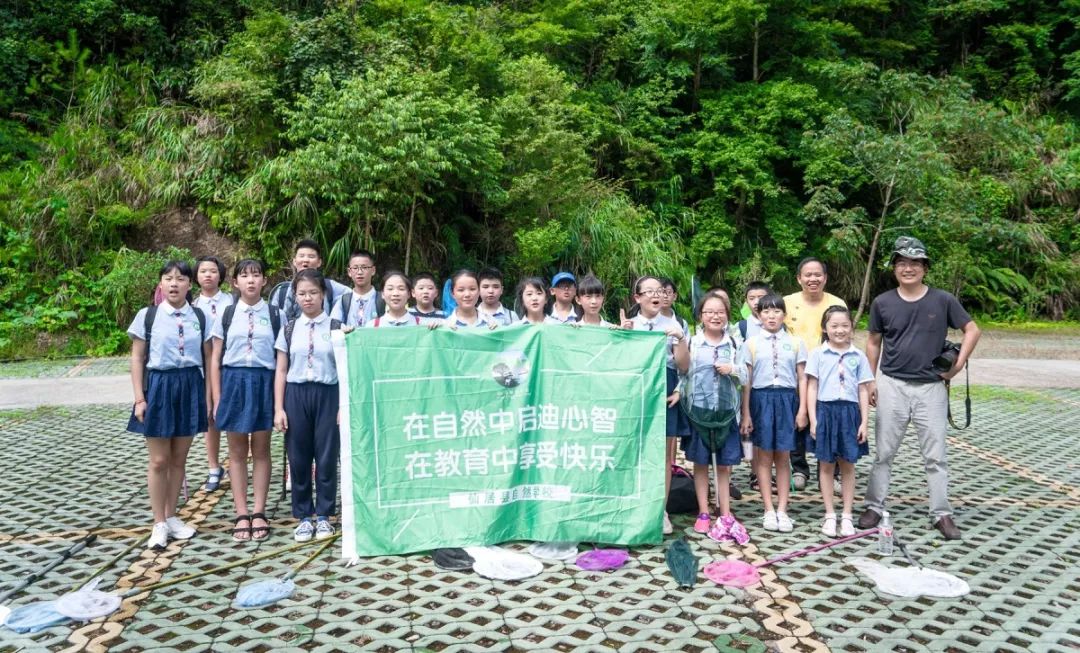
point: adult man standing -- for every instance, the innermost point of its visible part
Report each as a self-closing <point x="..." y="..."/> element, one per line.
<point x="804" y="311"/>
<point x="908" y="327"/>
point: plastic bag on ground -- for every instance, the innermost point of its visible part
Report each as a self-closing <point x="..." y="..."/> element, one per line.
<point x="500" y="564"/>
<point x="910" y="582"/>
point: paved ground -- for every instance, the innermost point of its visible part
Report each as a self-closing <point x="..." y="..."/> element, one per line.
<point x="1016" y="489"/>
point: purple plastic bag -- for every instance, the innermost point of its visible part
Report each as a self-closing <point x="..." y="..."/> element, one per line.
<point x="603" y="559"/>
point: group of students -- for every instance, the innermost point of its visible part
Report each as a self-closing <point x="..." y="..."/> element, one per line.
<point x="270" y="364"/>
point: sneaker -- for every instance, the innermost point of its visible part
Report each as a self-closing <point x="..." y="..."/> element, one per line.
<point x="720" y="532"/>
<point x="828" y="527"/>
<point x="783" y="522"/>
<point x="769" y="523"/>
<point x="702" y="523"/>
<point x="305" y="531"/>
<point x="178" y="530"/>
<point x="324" y="529"/>
<point x="159" y="537"/>
<point x="798" y="480"/>
<point x="213" y="479"/>
<point x="668" y="529"/>
<point x="847" y="527"/>
<point x="736" y="530"/>
<point x="837" y="487"/>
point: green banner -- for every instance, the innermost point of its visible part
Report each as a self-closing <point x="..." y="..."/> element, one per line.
<point x="472" y="437"/>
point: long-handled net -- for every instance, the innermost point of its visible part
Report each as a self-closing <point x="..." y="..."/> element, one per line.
<point x="710" y="400"/>
<point x="739" y="573"/>
<point x="90" y="603"/>
<point x="261" y="593"/>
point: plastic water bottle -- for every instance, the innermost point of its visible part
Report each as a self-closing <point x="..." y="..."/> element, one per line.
<point x="885" y="535"/>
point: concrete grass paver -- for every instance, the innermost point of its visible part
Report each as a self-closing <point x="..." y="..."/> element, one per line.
<point x="74" y="469"/>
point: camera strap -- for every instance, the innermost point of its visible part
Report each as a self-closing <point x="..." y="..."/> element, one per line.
<point x="967" y="401"/>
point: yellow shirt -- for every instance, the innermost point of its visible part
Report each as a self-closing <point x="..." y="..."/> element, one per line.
<point x="804" y="321"/>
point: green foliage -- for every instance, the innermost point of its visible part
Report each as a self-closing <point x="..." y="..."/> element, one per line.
<point x="724" y="139"/>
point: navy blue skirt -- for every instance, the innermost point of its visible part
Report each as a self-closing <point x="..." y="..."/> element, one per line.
<point x="247" y="400"/>
<point x="678" y="425"/>
<point x="697" y="450"/>
<point x="773" y="412"/>
<point x="175" y="404"/>
<point x="837" y="433"/>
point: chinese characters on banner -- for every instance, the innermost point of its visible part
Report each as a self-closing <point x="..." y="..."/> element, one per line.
<point x="524" y="433"/>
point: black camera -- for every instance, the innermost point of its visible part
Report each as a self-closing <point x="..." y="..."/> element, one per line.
<point x="947" y="358"/>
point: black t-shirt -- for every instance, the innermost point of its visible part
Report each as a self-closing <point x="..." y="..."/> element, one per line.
<point x="913" y="333"/>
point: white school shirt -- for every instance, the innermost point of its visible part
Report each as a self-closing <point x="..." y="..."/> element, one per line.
<point x="251" y="337"/>
<point x="311" y="358"/>
<point x="290" y="310"/>
<point x="701" y="375"/>
<point x="839" y="373"/>
<point x="659" y="323"/>
<point x="553" y="318"/>
<point x="176" y="340"/>
<point x="436" y="316"/>
<point x="406" y="320"/>
<point x="453" y="320"/>
<point x="213" y="306"/>
<point x="504" y="316"/>
<point x="361" y="309"/>
<point x="774" y="358"/>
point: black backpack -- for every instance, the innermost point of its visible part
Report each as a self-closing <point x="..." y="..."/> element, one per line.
<point x="226" y="320"/>
<point x="148" y="329"/>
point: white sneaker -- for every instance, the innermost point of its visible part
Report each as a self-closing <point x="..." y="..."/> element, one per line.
<point x="304" y="532"/>
<point x="159" y="537"/>
<point x="769" y="523"/>
<point x="178" y="530"/>
<point x="324" y="529"/>
<point x="783" y="522"/>
<point x="828" y="527"/>
<point x="668" y="528"/>
<point x="837" y="487"/>
<point x="847" y="527"/>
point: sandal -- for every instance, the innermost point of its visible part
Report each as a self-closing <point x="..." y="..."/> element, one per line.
<point x="213" y="479"/>
<point x="260" y="532"/>
<point x="237" y="532"/>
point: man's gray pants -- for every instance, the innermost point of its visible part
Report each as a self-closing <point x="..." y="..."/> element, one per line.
<point x="926" y="406"/>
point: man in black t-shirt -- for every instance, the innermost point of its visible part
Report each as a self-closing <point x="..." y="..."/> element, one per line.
<point x="908" y="327"/>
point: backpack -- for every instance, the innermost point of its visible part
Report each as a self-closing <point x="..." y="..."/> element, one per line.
<point x="346" y="304"/>
<point x="290" y="327"/>
<point x="280" y="294"/>
<point x="226" y="320"/>
<point x="148" y="330"/>
<point x="682" y="499"/>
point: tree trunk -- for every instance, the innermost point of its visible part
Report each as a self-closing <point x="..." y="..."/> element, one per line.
<point x="757" y="39"/>
<point x="408" y="235"/>
<point x="697" y="79"/>
<point x="865" y="294"/>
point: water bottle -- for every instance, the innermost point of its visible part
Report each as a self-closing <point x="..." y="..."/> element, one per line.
<point x="885" y="535"/>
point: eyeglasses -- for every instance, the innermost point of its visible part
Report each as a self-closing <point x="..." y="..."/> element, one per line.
<point x="361" y="268"/>
<point x="712" y="313"/>
<point x="655" y="292"/>
<point x="907" y="265"/>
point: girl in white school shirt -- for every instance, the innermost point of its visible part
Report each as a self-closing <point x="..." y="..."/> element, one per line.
<point x="531" y="301"/>
<point x="465" y="289"/>
<point x="306" y="407"/>
<point x="645" y="316"/>
<point x="209" y="273"/>
<point x="396" y="290"/>
<point x="242" y="391"/>
<point x="172" y="409"/>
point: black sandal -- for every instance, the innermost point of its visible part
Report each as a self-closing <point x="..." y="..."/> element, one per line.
<point x="260" y="532"/>
<point x="237" y="531"/>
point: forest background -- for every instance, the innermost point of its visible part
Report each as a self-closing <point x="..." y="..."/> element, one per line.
<point x="719" y="138"/>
